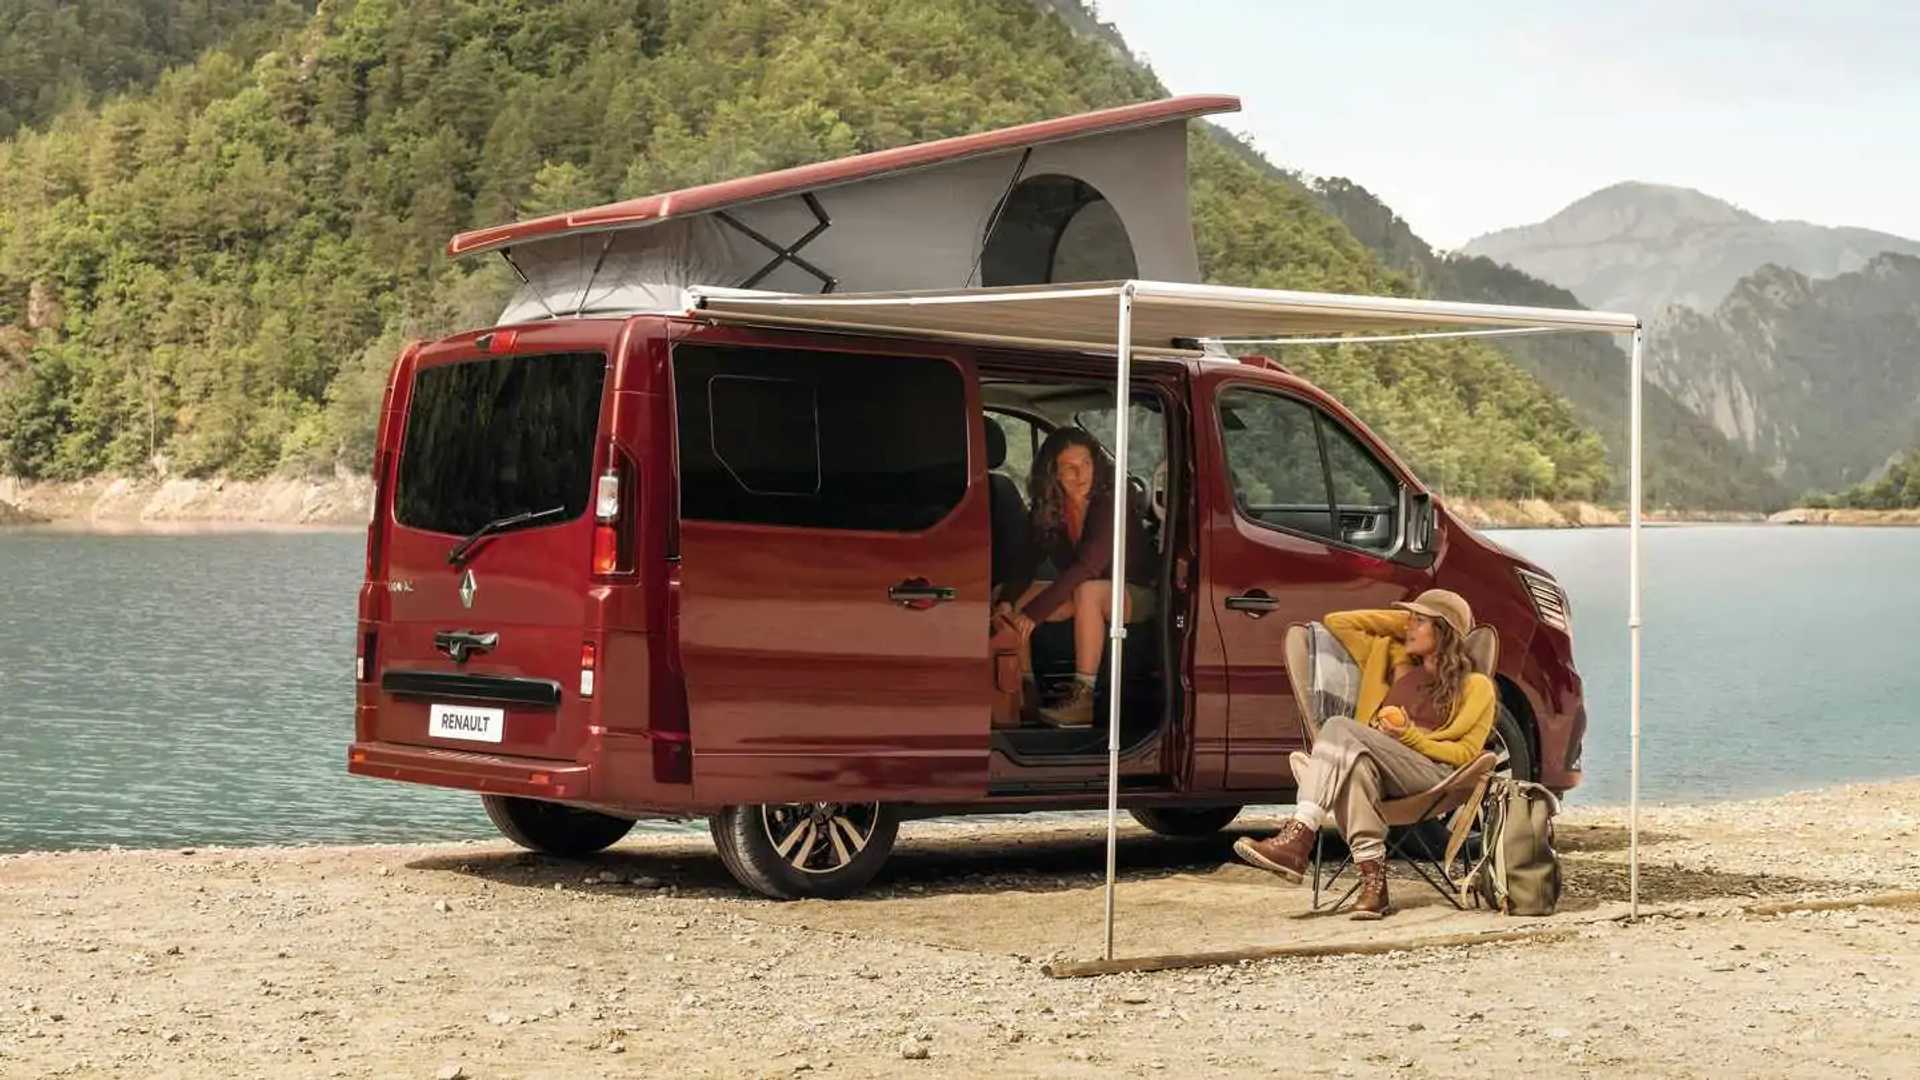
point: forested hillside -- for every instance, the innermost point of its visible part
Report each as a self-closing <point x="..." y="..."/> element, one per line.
<point x="56" y="54"/>
<point x="1688" y="462"/>
<point x="211" y="275"/>
<point x="1897" y="489"/>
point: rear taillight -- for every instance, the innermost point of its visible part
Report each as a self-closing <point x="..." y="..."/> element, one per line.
<point x="614" y="510"/>
<point x="363" y="665"/>
<point x="606" y="522"/>
<point x="376" y="522"/>
<point x="586" y="669"/>
<point x="1549" y="600"/>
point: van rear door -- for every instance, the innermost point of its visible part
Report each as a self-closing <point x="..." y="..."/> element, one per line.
<point x="834" y="569"/>
<point x="481" y="650"/>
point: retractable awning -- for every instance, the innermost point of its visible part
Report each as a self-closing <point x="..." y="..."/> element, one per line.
<point x="1167" y="316"/>
<point x="1159" y="316"/>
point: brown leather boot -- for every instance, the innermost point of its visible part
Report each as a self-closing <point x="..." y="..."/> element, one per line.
<point x="1074" y="710"/>
<point x="1372" y="902"/>
<point x="1286" y="852"/>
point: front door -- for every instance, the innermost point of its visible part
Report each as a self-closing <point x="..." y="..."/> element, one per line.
<point x="833" y="577"/>
<point x="1290" y="551"/>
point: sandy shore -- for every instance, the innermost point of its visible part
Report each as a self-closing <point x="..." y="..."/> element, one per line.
<point x="419" y="961"/>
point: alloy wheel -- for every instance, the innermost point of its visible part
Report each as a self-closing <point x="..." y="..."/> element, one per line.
<point x="819" y="838"/>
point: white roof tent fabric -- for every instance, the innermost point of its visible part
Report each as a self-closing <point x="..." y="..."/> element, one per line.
<point x="1159" y="316"/>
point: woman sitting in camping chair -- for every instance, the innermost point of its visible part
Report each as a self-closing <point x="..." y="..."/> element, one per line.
<point x="1422" y="713"/>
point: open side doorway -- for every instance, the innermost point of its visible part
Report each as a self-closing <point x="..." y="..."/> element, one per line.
<point x="1027" y="407"/>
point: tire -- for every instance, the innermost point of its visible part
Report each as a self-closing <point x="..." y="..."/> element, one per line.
<point x="553" y="829"/>
<point x="1513" y="754"/>
<point x="1187" y="821"/>
<point x="794" y="851"/>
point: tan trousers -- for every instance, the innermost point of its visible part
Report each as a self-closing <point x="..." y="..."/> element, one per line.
<point x="1354" y="769"/>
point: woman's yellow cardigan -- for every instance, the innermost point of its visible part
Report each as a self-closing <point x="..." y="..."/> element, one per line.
<point x="1376" y="641"/>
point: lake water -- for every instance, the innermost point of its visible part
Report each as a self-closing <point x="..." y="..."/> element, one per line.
<point x="197" y="689"/>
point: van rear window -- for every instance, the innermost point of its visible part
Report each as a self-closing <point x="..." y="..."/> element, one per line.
<point x="819" y="439"/>
<point x="487" y="439"/>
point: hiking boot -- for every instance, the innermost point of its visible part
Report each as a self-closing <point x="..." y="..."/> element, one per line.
<point x="1372" y="901"/>
<point x="1286" y="852"/>
<point x="1075" y="710"/>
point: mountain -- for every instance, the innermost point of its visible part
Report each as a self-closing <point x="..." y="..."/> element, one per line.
<point x="1819" y="378"/>
<point x="1639" y="247"/>
<point x="1689" y="464"/>
<point x="210" y="274"/>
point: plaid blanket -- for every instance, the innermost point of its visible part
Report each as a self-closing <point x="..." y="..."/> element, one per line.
<point x="1333" y="678"/>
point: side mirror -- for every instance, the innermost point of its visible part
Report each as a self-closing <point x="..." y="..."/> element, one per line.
<point x="1419" y="522"/>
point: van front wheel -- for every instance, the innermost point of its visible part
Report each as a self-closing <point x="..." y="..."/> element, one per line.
<point x="791" y="851"/>
<point x="553" y="829"/>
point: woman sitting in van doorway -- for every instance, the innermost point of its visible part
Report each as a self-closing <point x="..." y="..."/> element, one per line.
<point x="1071" y="492"/>
<point x="1422" y="713"/>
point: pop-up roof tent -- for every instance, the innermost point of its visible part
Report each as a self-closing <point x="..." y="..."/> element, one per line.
<point x="1082" y="198"/>
<point x="1076" y="232"/>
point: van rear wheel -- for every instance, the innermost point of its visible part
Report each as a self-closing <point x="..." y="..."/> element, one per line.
<point x="1185" y="820"/>
<point x="553" y="829"/>
<point x="792" y="851"/>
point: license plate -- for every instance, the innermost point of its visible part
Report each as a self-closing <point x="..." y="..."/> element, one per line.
<point x="466" y="722"/>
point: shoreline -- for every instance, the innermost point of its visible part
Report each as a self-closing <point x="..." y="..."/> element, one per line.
<point x="478" y="959"/>
<point x="1053" y="819"/>
<point x="344" y="501"/>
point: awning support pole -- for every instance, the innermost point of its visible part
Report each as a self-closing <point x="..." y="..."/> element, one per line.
<point x="1117" y="595"/>
<point x="1633" y="634"/>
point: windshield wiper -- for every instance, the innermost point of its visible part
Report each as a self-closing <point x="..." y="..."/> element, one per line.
<point x="459" y="552"/>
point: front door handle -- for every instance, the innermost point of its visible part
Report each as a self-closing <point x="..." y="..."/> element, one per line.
<point x="917" y="595"/>
<point x="1254" y="602"/>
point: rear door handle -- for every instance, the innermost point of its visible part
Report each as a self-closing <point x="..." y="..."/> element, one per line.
<point x="1254" y="602"/>
<point x="917" y="594"/>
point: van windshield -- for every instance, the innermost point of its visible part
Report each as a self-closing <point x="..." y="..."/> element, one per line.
<point x="488" y="439"/>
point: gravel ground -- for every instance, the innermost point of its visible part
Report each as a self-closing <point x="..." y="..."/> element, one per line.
<point x="481" y="961"/>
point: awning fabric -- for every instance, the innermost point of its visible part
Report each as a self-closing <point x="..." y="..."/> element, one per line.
<point x="1167" y="316"/>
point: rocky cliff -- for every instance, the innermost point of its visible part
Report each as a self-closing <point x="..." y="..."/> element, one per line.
<point x="1819" y="378"/>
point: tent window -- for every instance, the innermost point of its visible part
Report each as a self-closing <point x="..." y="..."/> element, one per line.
<point x="1056" y="228"/>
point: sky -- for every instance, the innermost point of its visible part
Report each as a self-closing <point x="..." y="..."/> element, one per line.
<point x="1466" y="118"/>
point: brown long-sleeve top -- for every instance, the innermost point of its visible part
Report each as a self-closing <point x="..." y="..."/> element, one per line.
<point x="1377" y="642"/>
<point x="1084" y="561"/>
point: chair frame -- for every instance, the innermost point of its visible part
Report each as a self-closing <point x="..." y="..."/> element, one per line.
<point x="1483" y="644"/>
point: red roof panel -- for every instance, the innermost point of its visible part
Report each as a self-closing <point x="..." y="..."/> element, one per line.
<point x="708" y="197"/>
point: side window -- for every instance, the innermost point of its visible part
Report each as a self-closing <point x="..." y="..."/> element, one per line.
<point x="819" y="440"/>
<point x="1273" y="461"/>
<point x="1365" y="496"/>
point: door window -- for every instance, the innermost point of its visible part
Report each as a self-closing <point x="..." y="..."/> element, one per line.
<point x="819" y="439"/>
<point x="1365" y="495"/>
<point x="1273" y="461"/>
<point x="1023" y="438"/>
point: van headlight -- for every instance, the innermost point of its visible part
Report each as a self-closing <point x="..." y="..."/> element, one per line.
<point x="1549" y="600"/>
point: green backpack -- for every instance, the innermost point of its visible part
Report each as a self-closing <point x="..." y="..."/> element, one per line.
<point x="1517" y="873"/>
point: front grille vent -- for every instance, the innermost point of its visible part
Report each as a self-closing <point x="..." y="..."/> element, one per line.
<point x="1549" y="600"/>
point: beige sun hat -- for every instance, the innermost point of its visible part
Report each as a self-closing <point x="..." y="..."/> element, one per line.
<point x="1444" y="605"/>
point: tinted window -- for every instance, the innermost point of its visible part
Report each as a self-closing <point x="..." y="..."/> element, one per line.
<point x="486" y="439"/>
<point x="1023" y="438"/>
<point x="1273" y="459"/>
<point x="1364" y="493"/>
<point x="824" y="440"/>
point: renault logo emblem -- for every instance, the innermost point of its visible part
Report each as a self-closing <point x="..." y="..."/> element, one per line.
<point x="468" y="586"/>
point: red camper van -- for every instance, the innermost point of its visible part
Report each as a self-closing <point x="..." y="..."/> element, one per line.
<point x="676" y="564"/>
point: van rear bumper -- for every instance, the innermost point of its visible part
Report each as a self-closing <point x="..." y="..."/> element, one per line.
<point x="495" y="774"/>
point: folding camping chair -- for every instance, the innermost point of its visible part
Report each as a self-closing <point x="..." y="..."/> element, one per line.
<point x="1460" y="793"/>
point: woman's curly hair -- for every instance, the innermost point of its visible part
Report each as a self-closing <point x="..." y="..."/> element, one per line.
<point x="1450" y="665"/>
<point x="1043" y="486"/>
